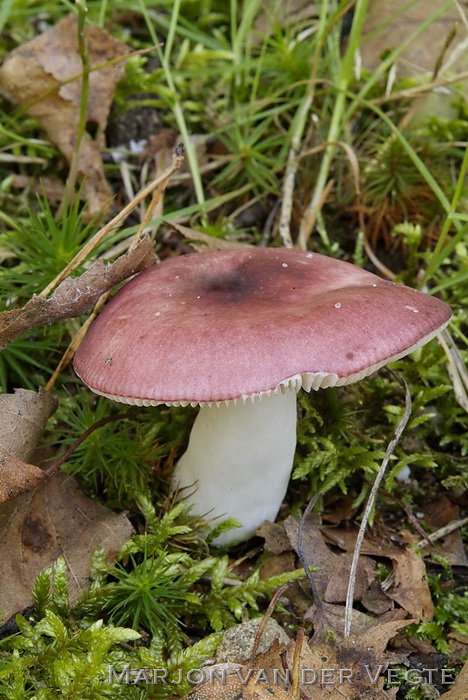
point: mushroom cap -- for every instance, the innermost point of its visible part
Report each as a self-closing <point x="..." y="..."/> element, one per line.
<point x="212" y="327"/>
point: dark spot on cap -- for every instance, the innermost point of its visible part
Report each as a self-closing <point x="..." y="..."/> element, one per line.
<point x="228" y="287"/>
<point x="350" y="355"/>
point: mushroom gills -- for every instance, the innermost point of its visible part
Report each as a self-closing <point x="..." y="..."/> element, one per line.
<point x="238" y="461"/>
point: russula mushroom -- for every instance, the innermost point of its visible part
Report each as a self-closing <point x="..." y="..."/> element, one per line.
<point x="238" y="333"/>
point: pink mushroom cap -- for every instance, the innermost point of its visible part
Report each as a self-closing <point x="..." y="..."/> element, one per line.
<point x="214" y="327"/>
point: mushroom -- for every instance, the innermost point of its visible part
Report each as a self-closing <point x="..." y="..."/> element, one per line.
<point x="238" y="333"/>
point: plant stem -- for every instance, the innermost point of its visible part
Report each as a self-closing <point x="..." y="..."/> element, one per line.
<point x="84" y="95"/>
<point x="176" y="107"/>
<point x="439" y="253"/>
<point x="336" y="124"/>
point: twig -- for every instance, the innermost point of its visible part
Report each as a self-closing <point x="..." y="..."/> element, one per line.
<point x="300" y="552"/>
<point x="370" y="504"/>
<point x="442" y="532"/>
<point x="407" y="512"/>
<point x="296" y="685"/>
<point x="336" y="124"/>
<point x="155" y="200"/>
<point x="55" y="465"/>
<point x="433" y="537"/>
<point x="420" y="89"/>
<point x="376" y="262"/>
<point x="102" y="233"/>
<point x="84" y="97"/>
<point x="456" y="368"/>
<point x="265" y="618"/>
<point x="76" y="341"/>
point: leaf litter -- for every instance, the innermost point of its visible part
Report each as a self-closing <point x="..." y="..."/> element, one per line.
<point x="53" y="518"/>
<point x="36" y="528"/>
<point x="50" y="67"/>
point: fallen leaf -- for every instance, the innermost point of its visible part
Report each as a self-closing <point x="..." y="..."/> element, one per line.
<point x="332" y="580"/>
<point x="56" y="519"/>
<point x="411" y="589"/>
<point x="50" y="187"/>
<point x="258" y="680"/>
<point x="348" y="668"/>
<point x="23" y="417"/>
<point x="276" y="539"/>
<point x="35" y="75"/>
<point x="459" y="690"/>
<point x="375" y="600"/>
<point x="277" y="564"/>
<point x="17" y="476"/>
<point x="438" y="514"/>
<point x="74" y="296"/>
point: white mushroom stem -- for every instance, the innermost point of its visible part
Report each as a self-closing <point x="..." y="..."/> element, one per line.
<point x="239" y="460"/>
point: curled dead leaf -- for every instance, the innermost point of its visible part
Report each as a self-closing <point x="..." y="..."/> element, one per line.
<point x="35" y="75"/>
<point x="411" y="589"/>
<point x="16" y="476"/>
<point x="23" y="417"/>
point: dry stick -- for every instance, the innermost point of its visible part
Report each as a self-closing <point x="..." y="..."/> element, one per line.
<point x="433" y="537"/>
<point x="370" y="504"/>
<point x="265" y="618"/>
<point x="55" y="465"/>
<point x="420" y="89"/>
<point x="442" y="532"/>
<point x="149" y="212"/>
<point x="160" y="185"/>
<point x="102" y="233"/>
<point x="76" y="341"/>
<point x="456" y="369"/>
<point x="413" y="520"/>
<point x="296" y="685"/>
<point x="300" y="552"/>
<point x="82" y="39"/>
<point x="300" y="119"/>
<point x="291" y="169"/>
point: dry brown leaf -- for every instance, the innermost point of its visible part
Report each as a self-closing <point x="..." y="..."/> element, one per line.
<point x="33" y="75"/>
<point x="74" y="296"/>
<point x="332" y="579"/>
<point x="50" y="187"/>
<point x="23" y="417"/>
<point x="206" y="242"/>
<point x="56" y="519"/>
<point x="16" y="476"/>
<point x="459" y="690"/>
<point x="350" y="668"/>
<point x="375" y="600"/>
<point x="411" y="589"/>
<point x="276" y="539"/>
<point x="439" y="514"/>
<point x="260" y="680"/>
